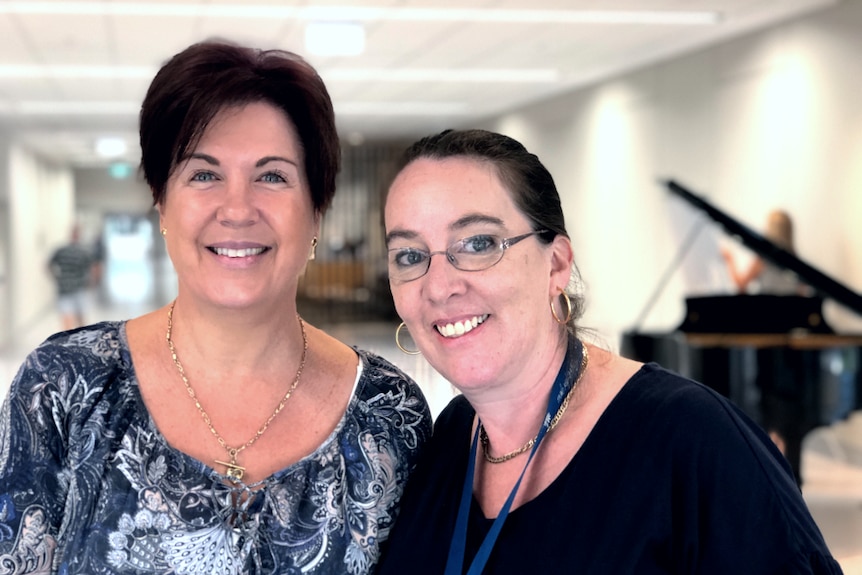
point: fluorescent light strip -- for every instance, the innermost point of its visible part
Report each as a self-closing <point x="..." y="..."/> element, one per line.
<point x="469" y="75"/>
<point x="47" y="108"/>
<point x="59" y="108"/>
<point x="365" y="13"/>
<point x="107" y="72"/>
<point x="492" y="15"/>
<point x="400" y="109"/>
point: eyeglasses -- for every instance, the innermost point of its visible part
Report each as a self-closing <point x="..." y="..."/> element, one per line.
<point x="472" y="254"/>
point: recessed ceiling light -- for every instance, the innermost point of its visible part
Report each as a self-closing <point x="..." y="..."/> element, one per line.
<point x="334" y="38"/>
<point x="110" y="147"/>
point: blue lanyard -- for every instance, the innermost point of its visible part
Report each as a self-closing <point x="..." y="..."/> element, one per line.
<point x="457" y="548"/>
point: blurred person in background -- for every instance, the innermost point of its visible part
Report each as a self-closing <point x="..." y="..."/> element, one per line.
<point x="222" y="433"/>
<point x="764" y="277"/>
<point x="75" y="271"/>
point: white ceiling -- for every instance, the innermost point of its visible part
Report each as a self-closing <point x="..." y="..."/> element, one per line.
<point x="72" y="71"/>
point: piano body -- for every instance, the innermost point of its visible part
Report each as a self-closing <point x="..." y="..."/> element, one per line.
<point x="773" y="356"/>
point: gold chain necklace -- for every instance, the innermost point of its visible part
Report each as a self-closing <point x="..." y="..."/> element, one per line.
<point x="486" y="443"/>
<point x="234" y="470"/>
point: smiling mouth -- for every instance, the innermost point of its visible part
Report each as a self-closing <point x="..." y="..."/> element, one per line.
<point x="240" y="253"/>
<point x="459" y="328"/>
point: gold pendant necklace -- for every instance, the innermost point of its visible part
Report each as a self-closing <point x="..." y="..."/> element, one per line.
<point x="486" y="442"/>
<point x="234" y="470"/>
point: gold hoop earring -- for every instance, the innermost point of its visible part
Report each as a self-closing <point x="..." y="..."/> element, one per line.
<point x="164" y="231"/>
<point x="313" y="253"/>
<point x="398" y="341"/>
<point x="568" y="308"/>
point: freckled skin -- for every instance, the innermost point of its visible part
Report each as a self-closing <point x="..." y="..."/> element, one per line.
<point x="428" y="203"/>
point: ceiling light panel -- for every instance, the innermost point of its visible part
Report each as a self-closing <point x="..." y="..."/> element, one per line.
<point x="111" y="147"/>
<point x="121" y="33"/>
<point x="334" y="38"/>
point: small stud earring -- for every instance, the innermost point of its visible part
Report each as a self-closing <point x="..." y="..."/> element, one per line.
<point x="313" y="253"/>
<point x="164" y="231"/>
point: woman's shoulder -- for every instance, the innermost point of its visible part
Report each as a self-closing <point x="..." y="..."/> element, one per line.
<point x="681" y="411"/>
<point x="658" y="386"/>
<point x="687" y="417"/>
<point x="381" y="376"/>
<point x="102" y="342"/>
<point x="385" y="391"/>
<point x="69" y="358"/>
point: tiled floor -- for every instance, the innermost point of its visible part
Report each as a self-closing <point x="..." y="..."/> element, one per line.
<point x="831" y="460"/>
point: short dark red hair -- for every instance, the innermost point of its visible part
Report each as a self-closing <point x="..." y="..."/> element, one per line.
<point x="205" y="78"/>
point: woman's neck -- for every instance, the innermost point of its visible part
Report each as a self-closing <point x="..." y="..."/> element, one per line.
<point x="512" y="413"/>
<point x="236" y="343"/>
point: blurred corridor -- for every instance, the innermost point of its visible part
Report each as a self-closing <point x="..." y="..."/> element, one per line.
<point x="757" y="110"/>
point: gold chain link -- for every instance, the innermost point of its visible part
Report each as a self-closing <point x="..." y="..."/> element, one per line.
<point x="486" y="442"/>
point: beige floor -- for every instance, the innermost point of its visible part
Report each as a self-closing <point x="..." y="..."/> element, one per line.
<point x="831" y="461"/>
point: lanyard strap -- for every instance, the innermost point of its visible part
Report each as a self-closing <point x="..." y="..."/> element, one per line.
<point x="457" y="548"/>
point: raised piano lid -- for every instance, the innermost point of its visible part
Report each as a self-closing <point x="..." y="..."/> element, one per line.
<point x="822" y="283"/>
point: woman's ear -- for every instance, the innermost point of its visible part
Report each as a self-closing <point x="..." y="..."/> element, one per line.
<point x="562" y="259"/>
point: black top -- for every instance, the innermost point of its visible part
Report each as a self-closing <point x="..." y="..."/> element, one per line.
<point x="672" y="479"/>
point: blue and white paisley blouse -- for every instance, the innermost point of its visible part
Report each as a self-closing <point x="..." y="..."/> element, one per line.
<point x="89" y="485"/>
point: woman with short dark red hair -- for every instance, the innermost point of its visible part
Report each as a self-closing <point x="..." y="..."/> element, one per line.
<point x="222" y="433"/>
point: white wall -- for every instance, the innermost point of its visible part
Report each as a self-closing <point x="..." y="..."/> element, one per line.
<point x="763" y="121"/>
<point x="5" y="246"/>
<point x="40" y="215"/>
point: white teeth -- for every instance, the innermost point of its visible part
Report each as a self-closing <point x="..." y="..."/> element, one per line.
<point x="243" y="253"/>
<point x="459" y="328"/>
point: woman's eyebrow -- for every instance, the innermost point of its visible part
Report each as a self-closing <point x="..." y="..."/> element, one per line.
<point x="265" y="160"/>
<point x="261" y="162"/>
<point x="400" y="234"/>
<point x="472" y="219"/>
<point x="199" y="156"/>
<point x="459" y="224"/>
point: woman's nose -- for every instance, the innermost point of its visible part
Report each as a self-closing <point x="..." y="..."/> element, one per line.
<point x="443" y="279"/>
<point x="238" y="207"/>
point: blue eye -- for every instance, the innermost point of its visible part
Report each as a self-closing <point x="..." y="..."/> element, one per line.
<point x="481" y="244"/>
<point x="273" y="178"/>
<point x="408" y="257"/>
<point x="203" y="177"/>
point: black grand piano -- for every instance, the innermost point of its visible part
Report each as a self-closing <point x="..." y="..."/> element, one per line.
<point x="774" y="356"/>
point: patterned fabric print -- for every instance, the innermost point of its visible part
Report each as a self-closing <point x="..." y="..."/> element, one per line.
<point x="89" y="485"/>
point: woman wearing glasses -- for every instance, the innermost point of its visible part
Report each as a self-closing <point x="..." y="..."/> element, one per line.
<point x="559" y="456"/>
